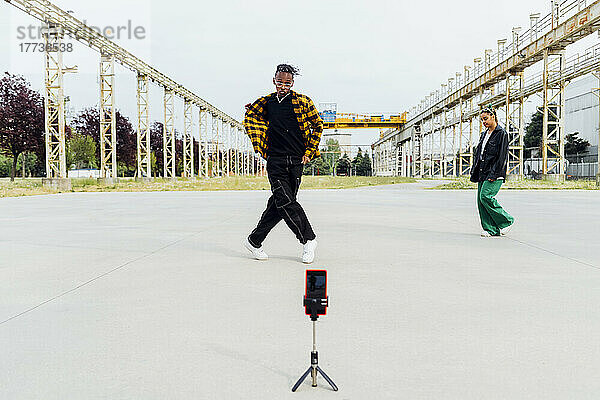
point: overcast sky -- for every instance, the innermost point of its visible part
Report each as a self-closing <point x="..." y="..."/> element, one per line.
<point x="367" y="56"/>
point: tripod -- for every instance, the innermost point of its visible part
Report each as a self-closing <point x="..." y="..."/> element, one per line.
<point x="314" y="358"/>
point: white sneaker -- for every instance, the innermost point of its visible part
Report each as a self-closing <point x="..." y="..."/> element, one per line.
<point x="485" y="234"/>
<point x="308" y="251"/>
<point x="258" y="254"/>
<point x="504" y="231"/>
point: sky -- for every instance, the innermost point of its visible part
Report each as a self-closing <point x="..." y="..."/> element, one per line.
<point x="367" y="56"/>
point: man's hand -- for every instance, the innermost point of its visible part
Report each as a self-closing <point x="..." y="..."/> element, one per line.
<point x="247" y="106"/>
<point x="491" y="180"/>
<point x="305" y="160"/>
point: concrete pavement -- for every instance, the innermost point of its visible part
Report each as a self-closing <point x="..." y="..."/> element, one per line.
<point x="152" y="296"/>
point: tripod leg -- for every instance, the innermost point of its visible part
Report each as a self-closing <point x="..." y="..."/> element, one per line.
<point x="327" y="378"/>
<point x="302" y="378"/>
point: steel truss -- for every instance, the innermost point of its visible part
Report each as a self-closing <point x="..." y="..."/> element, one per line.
<point x="144" y="156"/>
<point x="514" y="123"/>
<point x="169" y="134"/>
<point x="498" y="79"/>
<point x="417" y="152"/>
<point x="203" y="155"/>
<point x="58" y="23"/>
<point x="215" y="157"/>
<point x="465" y="141"/>
<point x="236" y="154"/>
<point x="188" y="140"/>
<point x="227" y="149"/>
<point x="553" y="150"/>
<point x="249" y="157"/>
<point x="108" y="121"/>
<point x="54" y="104"/>
<point x="597" y="93"/>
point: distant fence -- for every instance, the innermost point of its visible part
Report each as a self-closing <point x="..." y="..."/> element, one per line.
<point x="533" y="169"/>
<point x="582" y="170"/>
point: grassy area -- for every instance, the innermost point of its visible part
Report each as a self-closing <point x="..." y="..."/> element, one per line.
<point x="31" y="187"/>
<point x="527" y="184"/>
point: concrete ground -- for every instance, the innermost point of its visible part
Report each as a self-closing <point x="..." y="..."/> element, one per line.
<point x="151" y="296"/>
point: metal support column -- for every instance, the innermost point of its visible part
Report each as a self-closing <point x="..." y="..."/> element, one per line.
<point x="253" y="159"/>
<point x="249" y="157"/>
<point x="245" y="157"/>
<point x="188" y="140"/>
<point x="215" y="170"/>
<point x="239" y="139"/>
<point x="454" y="159"/>
<point x="144" y="157"/>
<point x="108" y="121"/>
<point x="54" y="104"/>
<point x="203" y="148"/>
<point x="436" y="146"/>
<point x="515" y="124"/>
<point x="597" y="91"/>
<point x="227" y="147"/>
<point x="169" y="134"/>
<point x="465" y="159"/>
<point x="428" y="148"/>
<point x="417" y="154"/>
<point x="553" y="143"/>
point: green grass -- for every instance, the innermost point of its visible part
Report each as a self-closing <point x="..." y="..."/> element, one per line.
<point x="22" y="187"/>
<point x="526" y="184"/>
<point x="31" y="187"/>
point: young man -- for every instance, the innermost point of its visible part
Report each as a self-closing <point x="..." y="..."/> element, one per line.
<point x="489" y="171"/>
<point x="285" y="129"/>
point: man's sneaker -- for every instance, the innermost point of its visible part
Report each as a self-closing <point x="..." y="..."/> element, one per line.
<point x="258" y="254"/>
<point x="485" y="234"/>
<point x="308" y="251"/>
<point x="504" y="231"/>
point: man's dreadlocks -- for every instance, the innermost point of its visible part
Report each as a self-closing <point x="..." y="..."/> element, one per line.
<point x="287" y="68"/>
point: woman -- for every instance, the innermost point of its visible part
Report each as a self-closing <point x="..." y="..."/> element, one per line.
<point x="489" y="171"/>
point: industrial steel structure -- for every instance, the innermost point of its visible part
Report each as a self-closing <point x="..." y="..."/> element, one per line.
<point x="57" y="23"/>
<point x="440" y="133"/>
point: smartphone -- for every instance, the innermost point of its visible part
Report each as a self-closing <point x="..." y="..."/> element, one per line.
<point x="316" y="288"/>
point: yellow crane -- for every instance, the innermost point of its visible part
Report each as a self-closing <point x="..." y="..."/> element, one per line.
<point x="333" y="120"/>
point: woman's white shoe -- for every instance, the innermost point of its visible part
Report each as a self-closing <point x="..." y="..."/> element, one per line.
<point x="505" y="231"/>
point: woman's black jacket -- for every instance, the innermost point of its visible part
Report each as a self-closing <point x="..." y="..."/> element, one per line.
<point x="495" y="157"/>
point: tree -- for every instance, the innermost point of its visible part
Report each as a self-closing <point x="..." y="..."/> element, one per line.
<point x="533" y="133"/>
<point x="319" y="166"/>
<point x="5" y="165"/>
<point x="575" y="145"/>
<point x="81" y="151"/>
<point x="87" y="123"/>
<point x="21" y="119"/>
<point x="332" y="152"/>
<point x="156" y="147"/>
<point x="343" y="165"/>
<point x="357" y="161"/>
<point x="362" y="164"/>
<point x="365" y="168"/>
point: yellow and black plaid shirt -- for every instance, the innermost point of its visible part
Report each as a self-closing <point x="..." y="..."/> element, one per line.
<point x="311" y="124"/>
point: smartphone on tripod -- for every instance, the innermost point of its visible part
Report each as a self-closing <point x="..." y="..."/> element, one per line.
<point x="316" y="289"/>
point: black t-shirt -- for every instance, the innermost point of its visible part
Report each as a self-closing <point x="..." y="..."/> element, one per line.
<point x="284" y="135"/>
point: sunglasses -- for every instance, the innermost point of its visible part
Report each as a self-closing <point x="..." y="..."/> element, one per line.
<point x="284" y="84"/>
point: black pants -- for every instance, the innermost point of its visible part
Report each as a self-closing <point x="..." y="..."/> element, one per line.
<point x="284" y="174"/>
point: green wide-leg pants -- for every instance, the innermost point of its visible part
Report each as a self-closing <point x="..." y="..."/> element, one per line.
<point x="492" y="215"/>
